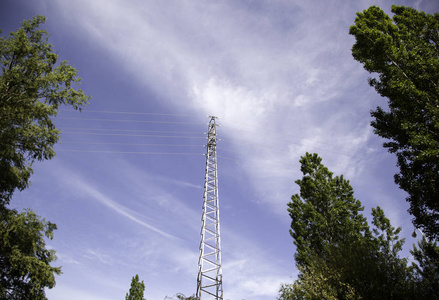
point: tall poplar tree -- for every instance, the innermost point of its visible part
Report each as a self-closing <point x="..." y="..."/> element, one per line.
<point x="403" y="52"/>
<point x="325" y="213"/>
<point x="337" y="254"/>
<point x="136" y="290"/>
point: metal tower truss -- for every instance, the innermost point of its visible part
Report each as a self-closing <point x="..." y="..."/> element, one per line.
<point x="209" y="282"/>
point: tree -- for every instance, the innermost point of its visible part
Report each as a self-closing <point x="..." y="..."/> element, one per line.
<point x="427" y="268"/>
<point x="32" y="88"/>
<point x="329" y="215"/>
<point x="137" y="289"/>
<point x="392" y="272"/>
<point x="25" y="268"/>
<point x="337" y="253"/>
<point x="404" y="52"/>
<point x="289" y="292"/>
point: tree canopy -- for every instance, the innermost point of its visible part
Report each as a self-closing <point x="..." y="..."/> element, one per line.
<point x="32" y="88"/>
<point x="25" y="268"/>
<point x="136" y="290"/>
<point x="338" y="255"/>
<point x="404" y="52"/>
<point x="330" y="214"/>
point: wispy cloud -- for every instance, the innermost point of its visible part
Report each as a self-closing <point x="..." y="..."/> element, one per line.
<point x="101" y="257"/>
<point x="96" y="195"/>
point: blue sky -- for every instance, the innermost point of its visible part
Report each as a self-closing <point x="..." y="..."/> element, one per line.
<point x="126" y="186"/>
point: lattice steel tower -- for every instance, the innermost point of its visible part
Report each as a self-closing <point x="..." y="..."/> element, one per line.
<point x="210" y="281"/>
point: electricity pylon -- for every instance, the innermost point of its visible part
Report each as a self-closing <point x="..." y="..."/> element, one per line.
<point x="210" y="281"/>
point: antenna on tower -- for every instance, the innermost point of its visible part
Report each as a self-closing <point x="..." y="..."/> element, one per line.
<point x="210" y="281"/>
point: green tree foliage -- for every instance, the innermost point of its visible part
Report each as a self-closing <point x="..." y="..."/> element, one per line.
<point x="330" y="215"/>
<point x="427" y="268"/>
<point x="137" y="289"/>
<point x="32" y="88"/>
<point x="25" y="268"/>
<point x="338" y="255"/>
<point x="392" y="272"/>
<point x="317" y="282"/>
<point x="404" y="52"/>
<point x="287" y="292"/>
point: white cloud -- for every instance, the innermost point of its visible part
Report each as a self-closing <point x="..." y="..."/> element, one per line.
<point x="94" y="255"/>
<point x="94" y="194"/>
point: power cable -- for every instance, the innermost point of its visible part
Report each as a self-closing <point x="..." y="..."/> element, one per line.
<point x="167" y="122"/>
<point x="326" y="162"/>
<point x="131" y="121"/>
<point x="142" y="135"/>
<point x="264" y="146"/>
<point x="127" y="152"/>
<point x="132" y="144"/>
<point x="272" y="135"/>
<point x="128" y="113"/>
<point x="128" y="130"/>
<point x="260" y="129"/>
<point x="268" y="148"/>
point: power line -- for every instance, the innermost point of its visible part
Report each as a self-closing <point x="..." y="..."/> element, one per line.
<point x="128" y="130"/>
<point x="131" y="144"/>
<point x="96" y="131"/>
<point x="271" y="136"/>
<point x="259" y="133"/>
<point x="128" y="113"/>
<point x="268" y="148"/>
<point x="142" y="135"/>
<point x="130" y="121"/>
<point x="253" y="144"/>
<point x="359" y="167"/>
<point x="128" y="152"/>
<point x="274" y="136"/>
<point x="275" y="151"/>
<point x="326" y="162"/>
